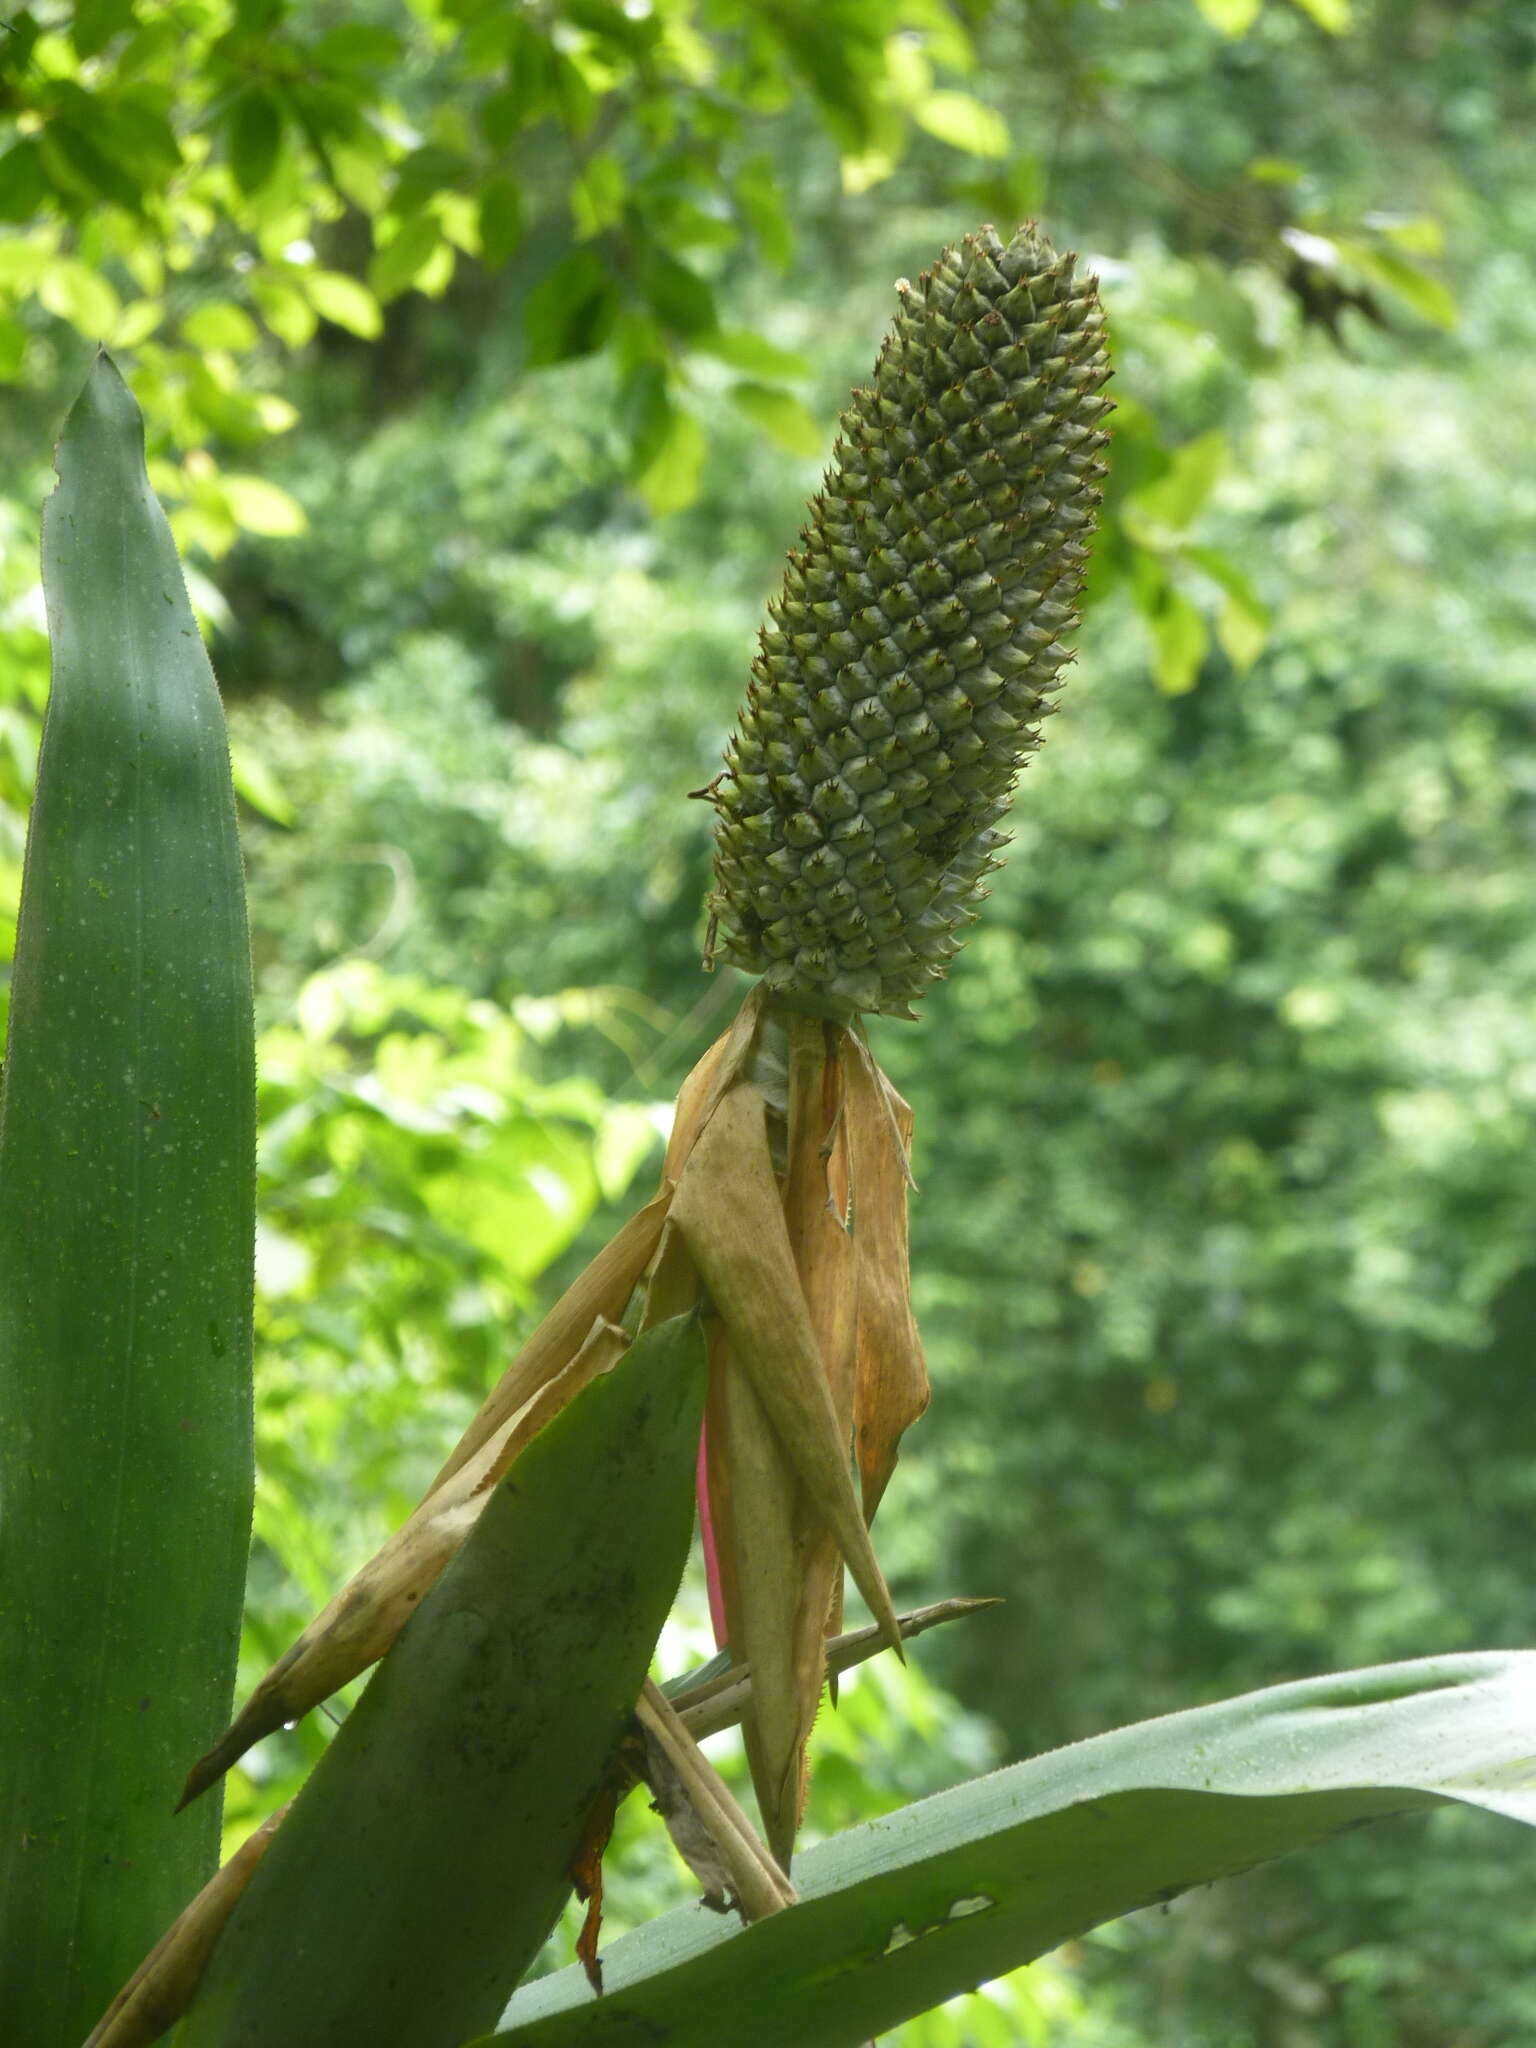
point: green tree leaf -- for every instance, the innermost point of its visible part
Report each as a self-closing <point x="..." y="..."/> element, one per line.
<point x="644" y="411"/>
<point x="399" y="262"/>
<point x="1242" y="625"/>
<point x="761" y="200"/>
<point x="257" y="785"/>
<point x="571" y="310"/>
<point x="964" y="122"/>
<point x="76" y="162"/>
<point x="755" y="355"/>
<point x="13" y="347"/>
<point x="96" y="22"/>
<point x="783" y="416"/>
<point x="427" y="172"/>
<point x="1416" y="234"/>
<point x="255" y="17"/>
<point x="597" y="195"/>
<point x="24" y="186"/>
<point x="261" y="506"/>
<point x="344" y="301"/>
<point x="253" y="137"/>
<point x="136" y="323"/>
<point x="1181" y="638"/>
<point x="670" y="480"/>
<point x="1336" y="16"/>
<point x="1163" y="509"/>
<point x="283" y="306"/>
<point x="1276" y="170"/>
<point x="218" y="323"/>
<point x="501" y="220"/>
<point x="1428" y="296"/>
<point x="73" y="291"/>
<point x="526" y="91"/>
<point x="357" y="46"/>
<point x="1233" y="17"/>
<point x="136" y="135"/>
<point x="678" y="296"/>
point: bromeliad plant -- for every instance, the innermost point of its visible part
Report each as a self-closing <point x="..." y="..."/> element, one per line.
<point x="745" y="1341"/>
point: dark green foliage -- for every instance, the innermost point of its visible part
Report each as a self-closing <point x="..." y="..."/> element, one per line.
<point x="428" y="1856"/>
<point x="127" y="1175"/>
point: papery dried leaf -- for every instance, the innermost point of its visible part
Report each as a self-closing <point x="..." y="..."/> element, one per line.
<point x="750" y="1874"/>
<point x="591" y="1933"/>
<point x="672" y="1285"/>
<point x="898" y="1113"/>
<point x="727" y="1207"/>
<point x="711" y="1076"/>
<point x="696" y="1092"/>
<point x="892" y="1379"/>
<point x="689" y="1835"/>
<point x="586" y="1873"/>
<point x="600" y="1291"/>
<point x="363" y="1620"/>
<point x="815" y="1198"/>
<point x="162" y="1988"/>
<point x="753" y="1489"/>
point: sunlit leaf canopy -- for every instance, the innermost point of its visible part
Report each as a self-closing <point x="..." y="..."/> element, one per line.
<point x="538" y="321"/>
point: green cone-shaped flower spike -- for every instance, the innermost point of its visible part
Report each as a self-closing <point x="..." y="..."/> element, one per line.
<point x="904" y="671"/>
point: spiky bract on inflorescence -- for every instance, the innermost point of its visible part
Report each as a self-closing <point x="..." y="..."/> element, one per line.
<point x="903" y="673"/>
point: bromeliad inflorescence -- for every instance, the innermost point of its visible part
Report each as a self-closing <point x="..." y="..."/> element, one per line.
<point x="898" y="689"/>
<point x="905" y="668"/>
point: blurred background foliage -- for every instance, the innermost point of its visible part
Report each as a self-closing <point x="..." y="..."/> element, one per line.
<point x="489" y="352"/>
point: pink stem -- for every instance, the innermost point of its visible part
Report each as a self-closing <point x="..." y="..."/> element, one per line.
<point x="711" y="1552"/>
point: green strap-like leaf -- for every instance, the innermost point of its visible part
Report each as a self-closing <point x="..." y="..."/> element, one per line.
<point x="426" y="1860"/>
<point x="127" y="1170"/>
<point x="907" y="1911"/>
